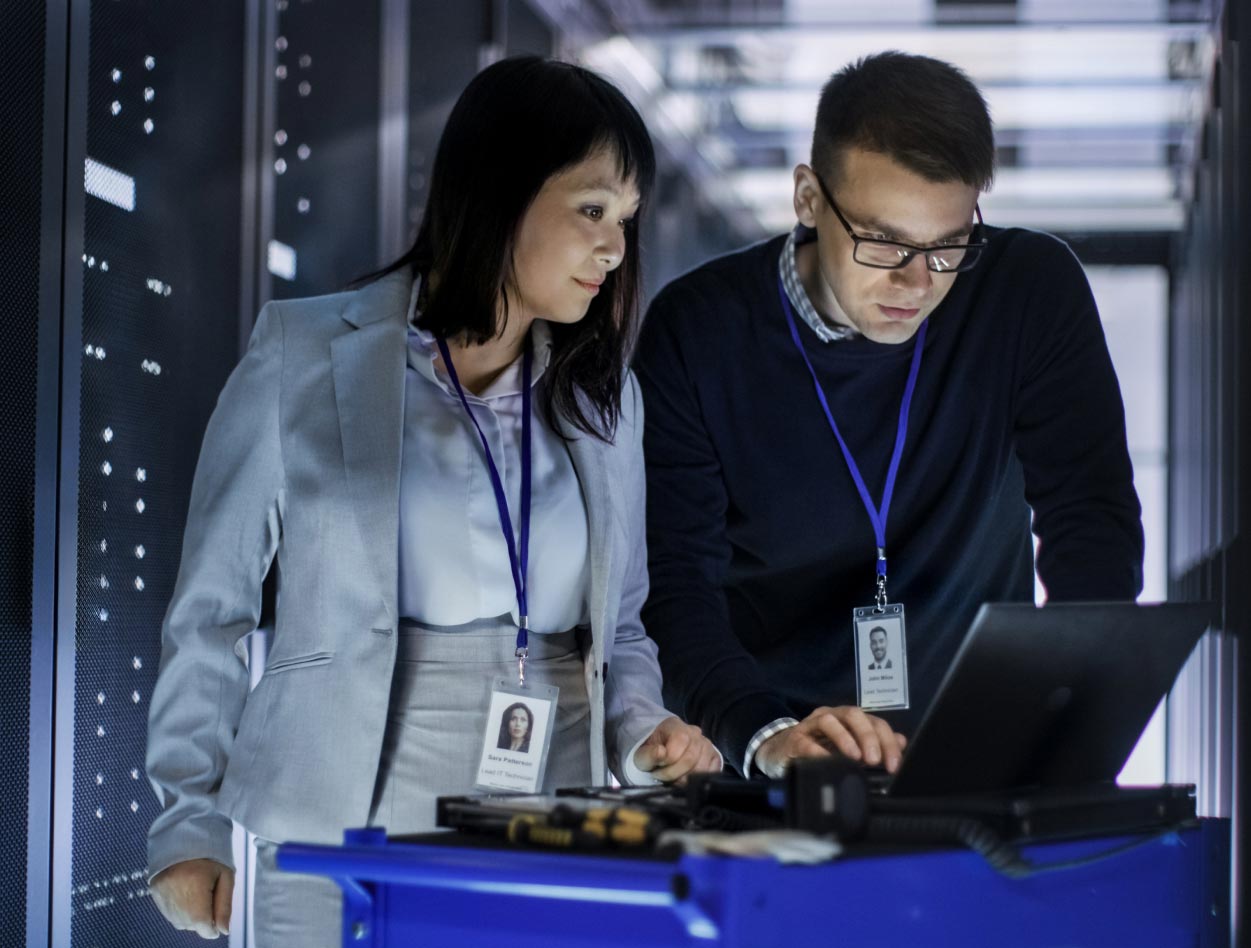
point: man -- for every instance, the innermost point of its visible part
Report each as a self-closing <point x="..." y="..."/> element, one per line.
<point x="863" y="415"/>
<point x="877" y="645"/>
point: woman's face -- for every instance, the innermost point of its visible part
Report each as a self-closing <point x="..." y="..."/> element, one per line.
<point x="570" y="238"/>
<point x="518" y="724"/>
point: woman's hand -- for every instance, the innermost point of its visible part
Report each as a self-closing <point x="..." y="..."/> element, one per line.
<point x="676" y="749"/>
<point x="195" y="896"/>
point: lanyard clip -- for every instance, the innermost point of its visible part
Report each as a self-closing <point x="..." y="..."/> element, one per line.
<point x="523" y="649"/>
<point x="881" y="580"/>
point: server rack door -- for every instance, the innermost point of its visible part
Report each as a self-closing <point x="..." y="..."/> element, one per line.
<point x="320" y="180"/>
<point x="155" y="143"/>
<point x="23" y="75"/>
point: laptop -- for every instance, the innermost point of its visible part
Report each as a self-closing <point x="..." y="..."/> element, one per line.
<point x="1047" y="696"/>
<point x="1036" y="717"/>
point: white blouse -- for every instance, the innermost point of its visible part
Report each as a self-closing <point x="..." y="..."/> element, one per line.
<point x="454" y="565"/>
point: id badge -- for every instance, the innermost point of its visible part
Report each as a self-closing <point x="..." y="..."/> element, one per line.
<point x="881" y="657"/>
<point x="517" y="736"/>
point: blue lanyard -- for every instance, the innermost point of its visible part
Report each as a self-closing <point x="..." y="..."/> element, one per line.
<point x="518" y="562"/>
<point x="876" y="515"/>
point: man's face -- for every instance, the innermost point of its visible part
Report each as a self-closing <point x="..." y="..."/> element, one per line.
<point x="877" y="644"/>
<point x="881" y="198"/>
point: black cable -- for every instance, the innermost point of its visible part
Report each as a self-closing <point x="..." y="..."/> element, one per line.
<point x="712" y="817"/>
<point x="1036" y="869"/>
<point x="1000" y="855"/>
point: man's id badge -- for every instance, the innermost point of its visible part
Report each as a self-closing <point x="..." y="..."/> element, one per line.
<point x="518" y="732"/>
<point x="881" y="657"/>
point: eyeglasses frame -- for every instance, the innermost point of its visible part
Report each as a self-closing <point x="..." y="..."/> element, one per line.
<point x="910" y="249"/>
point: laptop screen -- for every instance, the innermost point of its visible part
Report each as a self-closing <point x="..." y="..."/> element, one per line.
<point x="1048" y="696"/>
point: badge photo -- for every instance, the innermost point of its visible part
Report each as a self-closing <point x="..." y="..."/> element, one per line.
<point x="516" y="736"/>
<point x="881" y="658"/>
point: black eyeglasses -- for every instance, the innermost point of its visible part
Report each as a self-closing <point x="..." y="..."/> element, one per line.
<point x="893" y="254"/>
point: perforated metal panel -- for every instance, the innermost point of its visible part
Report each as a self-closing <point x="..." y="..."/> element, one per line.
<point x="160" y="271"/>
<point x="323" y="146"/>
<point x="21" y="127"/>
<point x="445" y="46"/>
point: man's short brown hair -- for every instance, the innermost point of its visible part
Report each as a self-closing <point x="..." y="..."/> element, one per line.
<point x="924" y="113"/>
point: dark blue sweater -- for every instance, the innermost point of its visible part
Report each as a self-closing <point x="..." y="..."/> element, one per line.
<point x="759" y="544"/>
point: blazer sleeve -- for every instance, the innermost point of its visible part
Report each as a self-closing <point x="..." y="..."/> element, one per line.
<point x="232" y="533"/>
<point x="632" y="699"/>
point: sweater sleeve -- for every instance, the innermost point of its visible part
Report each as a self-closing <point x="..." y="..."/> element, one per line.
<point x="1070" y="439"/>
<point x="710" y="679"/>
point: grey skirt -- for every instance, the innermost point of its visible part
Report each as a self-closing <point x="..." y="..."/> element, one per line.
<point x="435" y="726"/>
<point x="437" y="716"/>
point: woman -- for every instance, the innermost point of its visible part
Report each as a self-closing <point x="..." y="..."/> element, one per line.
<point x="377" y="447"/>
<point x="515" y="728"/>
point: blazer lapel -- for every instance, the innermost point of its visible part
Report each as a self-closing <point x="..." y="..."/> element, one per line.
<point x="589" y="463"/>
<point x="368" y="364"/>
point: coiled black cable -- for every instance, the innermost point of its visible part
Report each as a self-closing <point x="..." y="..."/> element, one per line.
<point x="1000" y="855"/>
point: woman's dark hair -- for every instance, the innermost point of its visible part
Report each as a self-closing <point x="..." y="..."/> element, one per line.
<point x="518" y="122"/>
<point x="924" y="113"/>
<point x="506" y="739"/>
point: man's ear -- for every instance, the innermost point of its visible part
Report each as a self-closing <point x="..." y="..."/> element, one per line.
<point x="807" y="197"/>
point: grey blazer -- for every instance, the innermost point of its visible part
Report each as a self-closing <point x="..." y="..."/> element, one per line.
<point x="300" y="468"/>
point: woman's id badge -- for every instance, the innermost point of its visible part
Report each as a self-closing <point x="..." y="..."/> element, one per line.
<point x="881" y="657"/>
<point x="517" y="734"/>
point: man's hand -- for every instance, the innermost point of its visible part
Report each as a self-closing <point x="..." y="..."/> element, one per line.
<point x="195" y="896"/>
<point x="676" y="749"/>
<point x="846" y="730"/>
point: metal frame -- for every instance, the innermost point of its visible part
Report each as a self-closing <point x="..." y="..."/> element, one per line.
<point x="47" y="413"/>
<point x="260" y="21"/>
<point x="1211" y="550"/>
<point x="1239" y="99"/>
<point x="371" y="860"/>
<point x="264" y="186"/>
<point x="249" y="232"/>
<point x="67" y="479"/>
<point x="393" y="67"/>
<point x="487" y="896"/>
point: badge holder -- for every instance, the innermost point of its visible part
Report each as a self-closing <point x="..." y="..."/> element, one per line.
<point x="881" y="657"/>
<point x="517" y="735"/>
